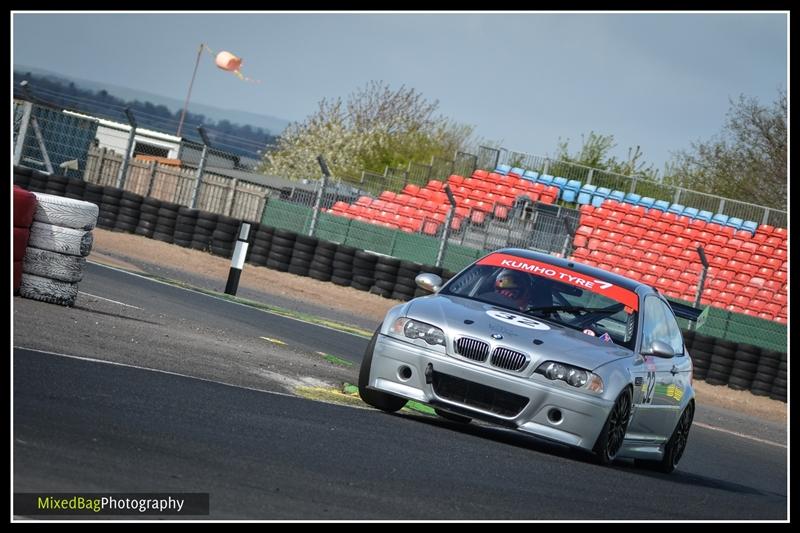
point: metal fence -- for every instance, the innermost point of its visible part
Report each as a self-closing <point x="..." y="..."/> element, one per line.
<point x="489" y="158"/>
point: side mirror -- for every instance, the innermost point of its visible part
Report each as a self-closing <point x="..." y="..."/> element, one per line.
<point x="428" y="282"/>
<point x="660" y="349"/>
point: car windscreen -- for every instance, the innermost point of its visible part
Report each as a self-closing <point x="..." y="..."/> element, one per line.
<point x="548" y="298"/>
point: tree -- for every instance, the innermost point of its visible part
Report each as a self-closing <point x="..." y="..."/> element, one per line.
<point x="374" y="128"/>
<point x="595" y="150"/>
<point x="746" y="161"/>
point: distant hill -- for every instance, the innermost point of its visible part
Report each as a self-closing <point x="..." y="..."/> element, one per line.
<point x="273" y="125"/>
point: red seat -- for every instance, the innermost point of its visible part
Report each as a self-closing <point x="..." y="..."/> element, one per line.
<point x="656" y="270"/>
<point x="649" y="279"/>
<point x="455" y="180"/>
<point x="672" y="273"/>
<point x="679" y="287"/>
<point x="718" y="239"/>
<point x="435" y="185"/>
<point x="765" y="229"/>
<point x="698" y="224"/>
<point x="580" y="253"/>
<point x="669" y="218"/>
<point x="673" y="251"/>
<point x="629" y="240"/>
<point x="725" y="298"/>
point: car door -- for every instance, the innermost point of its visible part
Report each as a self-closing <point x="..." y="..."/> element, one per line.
<point x="657" y="394"/>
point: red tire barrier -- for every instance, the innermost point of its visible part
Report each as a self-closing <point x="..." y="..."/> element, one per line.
<point x="24" y="207"/>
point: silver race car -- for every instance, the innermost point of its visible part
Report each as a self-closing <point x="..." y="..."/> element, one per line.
<point x="544" y="345"/>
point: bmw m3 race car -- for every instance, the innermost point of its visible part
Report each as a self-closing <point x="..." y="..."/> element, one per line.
<point x="544" y="345"/>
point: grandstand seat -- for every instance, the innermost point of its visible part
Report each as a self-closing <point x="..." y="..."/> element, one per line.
<point x="547" y="179"/>
<point x="676" y="209"/>
<point x="690" y="212"/>
<point x="705" y="216"/>
<point x="518" y="171"/>
<point x="632" y="198"/>
<point x="585" y="194"/>
<point x="616" y="195"/>
<point x="435" y="185"/>
<point x="570" y="191"/>
<point x="661" y="205"/>
<point x="734" y="222"/>
<point x="530" y="175"/>
<point x="599" y="196"/>
<point x="720" y="219"/>
<point x="647" y="202"/>
<point x="502" y="169"/>
<point x="387" y="196"/>
<point x="766" y="229"/>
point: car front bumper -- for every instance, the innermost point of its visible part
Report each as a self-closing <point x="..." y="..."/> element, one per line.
<point x="528" y="404"/>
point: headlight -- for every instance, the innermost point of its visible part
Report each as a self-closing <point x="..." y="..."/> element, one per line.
<point x="577" y="377"/>
<point x="413" y="329"/>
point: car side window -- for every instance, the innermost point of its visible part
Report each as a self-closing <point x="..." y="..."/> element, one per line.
<point x="659" y="324"/>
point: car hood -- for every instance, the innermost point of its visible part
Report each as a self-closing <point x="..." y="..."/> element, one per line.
<point x="542" y="341"/>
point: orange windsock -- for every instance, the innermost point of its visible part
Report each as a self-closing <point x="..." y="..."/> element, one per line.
<point x="228" y="61"/>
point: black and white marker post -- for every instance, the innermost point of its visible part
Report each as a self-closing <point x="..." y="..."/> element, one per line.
<point x="237" y="261"/>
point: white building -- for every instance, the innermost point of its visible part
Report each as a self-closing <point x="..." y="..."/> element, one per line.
<point x="114" y="136"/>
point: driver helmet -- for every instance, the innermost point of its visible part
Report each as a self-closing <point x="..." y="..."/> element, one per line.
<point x="510" y="283"/>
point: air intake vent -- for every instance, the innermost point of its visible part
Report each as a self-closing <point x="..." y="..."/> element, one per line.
<point x="472" y="349"/>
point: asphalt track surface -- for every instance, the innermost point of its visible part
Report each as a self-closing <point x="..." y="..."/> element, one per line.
<point x="164" y="424"/>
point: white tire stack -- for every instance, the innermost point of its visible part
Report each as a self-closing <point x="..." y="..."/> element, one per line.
<point x="60" y="239"/>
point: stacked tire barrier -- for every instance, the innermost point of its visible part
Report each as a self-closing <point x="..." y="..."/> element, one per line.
<point x="739" y="366"/>
<point x="24" y="210"/>
<point x="719" y="362"/>
<point x="60" y="239"/>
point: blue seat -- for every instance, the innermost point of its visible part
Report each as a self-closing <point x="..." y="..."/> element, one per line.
<point x="616" y="195"/>
<point x="570" y="192"/>
<point x="750" y="226"/>
<point x="661" y="205"/>
<point x="647" y="202"/>
<point x="705" y="216"/>
<point x="599" y="195"/>
<point x="676" y="208"/>
<point x="559" y="182"/>
<point x="518" y="171"/>
<point x="719" y="218"/>
<point x="502" y="169"/>
<point x="585" y="194"/>
<point x="632" y="198"/>
<point x="690" y="212"/>
<point x="734" y="222"/>
<point x="530" y="175"/>
<point x="546" y="179"/>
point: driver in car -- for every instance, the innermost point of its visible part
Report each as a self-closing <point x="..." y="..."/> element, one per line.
<point x="514" y="287"/>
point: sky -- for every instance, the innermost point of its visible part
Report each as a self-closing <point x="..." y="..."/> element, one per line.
<point x="523" y="80"/>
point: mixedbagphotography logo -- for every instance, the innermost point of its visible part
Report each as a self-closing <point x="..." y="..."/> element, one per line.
<point x="105" y="504"/>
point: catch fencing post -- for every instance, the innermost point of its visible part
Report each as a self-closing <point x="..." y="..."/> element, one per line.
<point x="201" y="167"/>
<point x="27" y="107"/>
<point x="702" y="281"/>
<point x="123" y="169"/>
<point x="447" y="221"/>
<point x="237" y="261"/>
<point x="318" y="202"/>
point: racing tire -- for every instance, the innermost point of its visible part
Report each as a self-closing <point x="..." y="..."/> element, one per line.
<point x="48" y="290"/>
<point x="60" y="211"/>
<point x="676" y="445"/>
<point x="53" y="265"/>
<point x="375" y="398"/>
<point x="611" y="437"/>
<point x="60" y="239"/>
